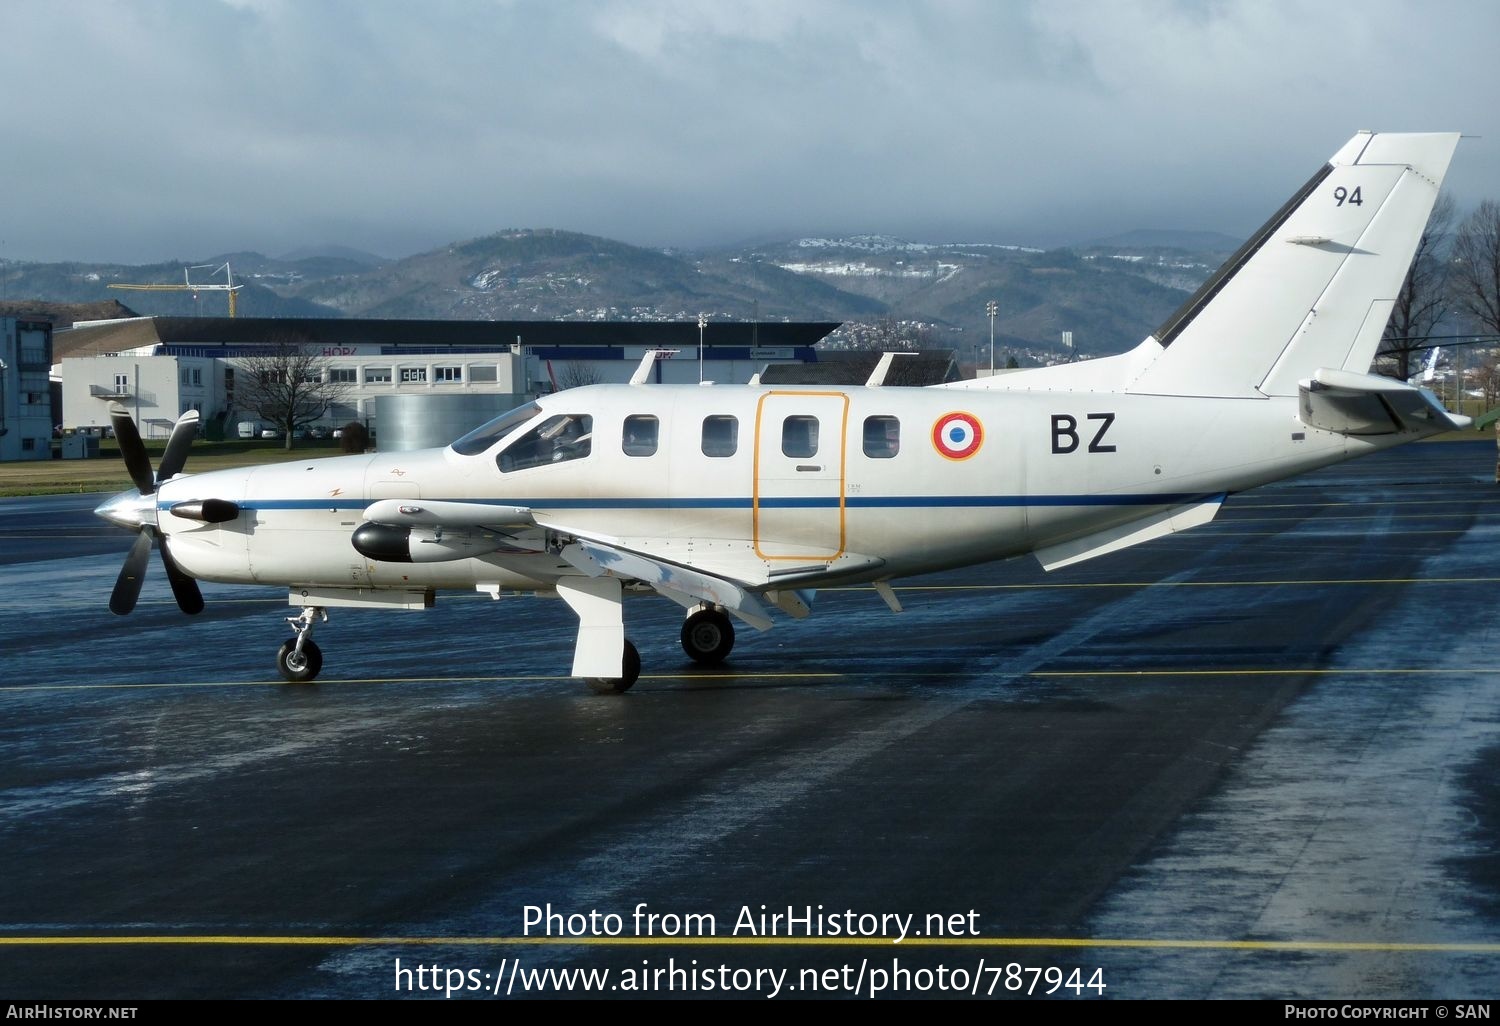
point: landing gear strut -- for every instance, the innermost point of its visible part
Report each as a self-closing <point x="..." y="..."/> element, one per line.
<point x="299" y="659"/>
<point x="619" y="685"/>
<point x="707" y="635"/>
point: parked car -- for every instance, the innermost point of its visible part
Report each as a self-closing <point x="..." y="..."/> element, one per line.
<point x="269" y="433"/>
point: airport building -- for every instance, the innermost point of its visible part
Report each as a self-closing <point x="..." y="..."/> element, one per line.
<point x="25" y="391"/>
<point x="160" y="367"/>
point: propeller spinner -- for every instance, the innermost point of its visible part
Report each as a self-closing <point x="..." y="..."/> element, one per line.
<point x="136" y="510"/>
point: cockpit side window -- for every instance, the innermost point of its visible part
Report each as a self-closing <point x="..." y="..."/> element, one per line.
<point x="559" y="439"/>
<point x="485" y="435"/>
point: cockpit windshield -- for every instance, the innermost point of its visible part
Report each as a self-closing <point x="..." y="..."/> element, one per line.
<point x="486" y="435"/>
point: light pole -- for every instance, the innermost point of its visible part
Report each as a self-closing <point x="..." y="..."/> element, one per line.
<point x="702" y="323"/>
<point x="992" y="308"/>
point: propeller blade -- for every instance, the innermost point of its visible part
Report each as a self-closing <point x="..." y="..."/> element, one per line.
<point x="184" y="588"/>
<point x="133" y="450"/>
<point x="128" y="584"/>
<point x="177" y="446"/>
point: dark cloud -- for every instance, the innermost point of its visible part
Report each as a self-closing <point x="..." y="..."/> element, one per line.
<point x="178" y="129"/>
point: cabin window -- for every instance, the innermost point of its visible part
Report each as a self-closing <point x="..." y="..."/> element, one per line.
<point x="490" y="432"/>
<point x="721" y="436"/>
<point x="799" y="437"/>
<point x="640" y="436"/>
<point x="882" y="437"/>
<point x="558" y="439"/>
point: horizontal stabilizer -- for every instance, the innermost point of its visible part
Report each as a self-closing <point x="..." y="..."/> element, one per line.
<point x="1158" y="525"/>
<point x="1365" y="404"/>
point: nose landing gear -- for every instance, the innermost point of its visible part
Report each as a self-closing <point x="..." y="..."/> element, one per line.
<point x="299" y="659"/>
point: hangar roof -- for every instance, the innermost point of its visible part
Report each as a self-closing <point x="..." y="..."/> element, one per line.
<point x="118" y="335"/>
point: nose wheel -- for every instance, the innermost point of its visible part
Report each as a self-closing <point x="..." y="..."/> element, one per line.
<point x="299" y="659"/>
<point x="707" y="636"/>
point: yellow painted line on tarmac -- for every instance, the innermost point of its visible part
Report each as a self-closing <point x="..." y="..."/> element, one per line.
<point x="1243" y="501"/>
<point x="1314" y="521"/>
<point x="1292" y="671"/>
<point x="1181" y="584"/>
<point x="1302" y="542"/>
<point x="1138" y="943"/>
<point x="335" y="681"/>
<point x="1443" y="671"/>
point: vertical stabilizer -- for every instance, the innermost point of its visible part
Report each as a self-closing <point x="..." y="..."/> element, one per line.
<point x="1314" y="286"/>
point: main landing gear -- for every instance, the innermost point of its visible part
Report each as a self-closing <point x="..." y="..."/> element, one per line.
<point x="299" y="659"/>
<point x="619" y="685"/>
<point x="707" y="635"/>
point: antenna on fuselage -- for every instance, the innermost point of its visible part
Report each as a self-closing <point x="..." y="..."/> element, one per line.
<point x="877" y="376"/>
<point x="643" y="373"/>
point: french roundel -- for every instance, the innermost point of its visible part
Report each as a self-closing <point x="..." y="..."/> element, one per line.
<point x="957" y="435"/>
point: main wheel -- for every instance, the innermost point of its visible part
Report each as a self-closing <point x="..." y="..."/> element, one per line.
<point x="619" y="685"/>
<point x="298" y="668"/>
<point x="707" y="636"/>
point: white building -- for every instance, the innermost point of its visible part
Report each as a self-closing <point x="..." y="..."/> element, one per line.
<point x="25" y="389"/>
<point x="160" y="367"/>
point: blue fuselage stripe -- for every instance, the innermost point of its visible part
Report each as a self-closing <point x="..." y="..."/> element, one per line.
<point x="765" y="502"/>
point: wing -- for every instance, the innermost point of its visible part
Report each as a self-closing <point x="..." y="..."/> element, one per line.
<point x="725" y="573"/>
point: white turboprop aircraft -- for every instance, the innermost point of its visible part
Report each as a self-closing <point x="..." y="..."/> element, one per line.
<point x="736" y="501"/>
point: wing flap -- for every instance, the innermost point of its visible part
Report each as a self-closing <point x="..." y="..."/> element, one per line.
<point x="598" y="559"/>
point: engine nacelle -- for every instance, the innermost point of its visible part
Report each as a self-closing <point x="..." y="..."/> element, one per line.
<point x="206" y="511"/>
<point x="385" y="543"/>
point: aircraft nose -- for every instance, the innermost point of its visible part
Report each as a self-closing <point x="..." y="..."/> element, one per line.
<point x="130" y="510"/>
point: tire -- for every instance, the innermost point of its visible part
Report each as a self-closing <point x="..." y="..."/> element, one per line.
<point x="707" y="636"/>
<point x="619" y="685"/>
<point x="298" y="669"/>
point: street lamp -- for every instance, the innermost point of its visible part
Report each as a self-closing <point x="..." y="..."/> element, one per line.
<point x="992" y="308"/>
<point x="702" y="323"/>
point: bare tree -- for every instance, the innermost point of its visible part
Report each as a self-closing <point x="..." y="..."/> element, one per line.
<point x="287" y="383"/>
<point x="1476" y="267"/>
<point x="1487" y="377"/>
<point x="1424" y="298"/>
<point x="575" y="374"/>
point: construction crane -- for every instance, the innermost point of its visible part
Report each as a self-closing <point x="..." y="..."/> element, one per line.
<point x="229" y="286"/>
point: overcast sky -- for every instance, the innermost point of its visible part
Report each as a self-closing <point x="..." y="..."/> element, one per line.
<point x="175" y="129"/>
